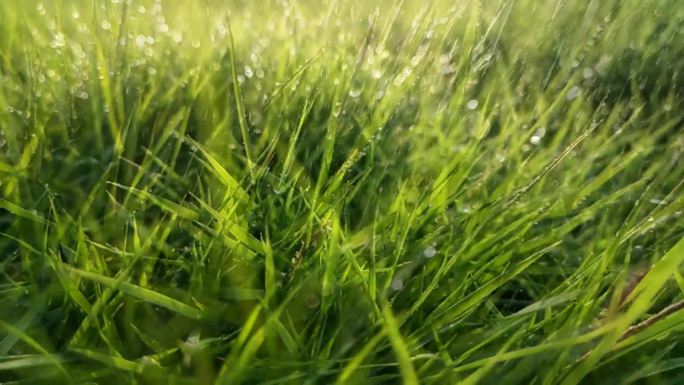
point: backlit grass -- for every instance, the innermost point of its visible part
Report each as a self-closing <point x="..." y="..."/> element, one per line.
<point x="341" y="192"/>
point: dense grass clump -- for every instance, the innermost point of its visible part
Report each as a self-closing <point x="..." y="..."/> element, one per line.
<point x="350" y="192"/>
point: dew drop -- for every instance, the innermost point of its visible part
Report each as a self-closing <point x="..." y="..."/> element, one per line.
<point x="429" y="252"/>
<point x="573" y="93"/>
<point x="58" y="41"/>
<point x="465" y="208"/>
<point x="354" y="93"/>
<point x="398" y="284"/>
<point x="140" y="40"/>
<point x="472" y="104"/>
<point x="312" y="301"/>
<point x="538" y="135"/>
<point x="248" y="71"/>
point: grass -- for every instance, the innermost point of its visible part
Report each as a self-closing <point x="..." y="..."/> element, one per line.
<point x="341" y="192"/>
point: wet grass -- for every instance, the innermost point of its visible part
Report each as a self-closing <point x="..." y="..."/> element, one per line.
<point x="357" y="192"/>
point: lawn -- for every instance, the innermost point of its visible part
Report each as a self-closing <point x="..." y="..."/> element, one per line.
<point x="342" y="192"/>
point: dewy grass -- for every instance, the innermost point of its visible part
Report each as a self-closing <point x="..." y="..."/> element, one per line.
<point x="341" y="192"/>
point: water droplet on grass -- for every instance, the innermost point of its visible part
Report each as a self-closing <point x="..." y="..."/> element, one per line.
<point x="398" y="284"/>
<point x="472" y="104"/>
<point x="140" y="40"/>
<point x="538" y="135"/>
<point x="588" y="73"/>
<point x="58" y="41"/>
<point x="106" y="25"/>
<point x="535" y="139"/>
<point x="573" y="93"/>
<point x="312" y="301"/>
<point x="429" y="252"/>
<point x="465" y="208"/>
<point x="248" y="71"/>
<point x="354" y="93"/>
